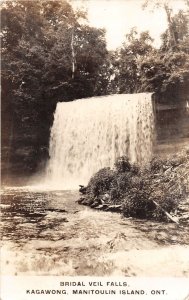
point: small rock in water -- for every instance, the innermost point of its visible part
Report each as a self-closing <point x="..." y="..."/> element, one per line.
<point x="56" y="210"/>
<point x="94" y="204"/>
<point x="82" y="189"/>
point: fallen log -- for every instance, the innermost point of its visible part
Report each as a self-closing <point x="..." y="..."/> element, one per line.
<point x="167" y="214"/>
<point x="101" y="206"/>
<point x="114" y="208"/>
<point x="106" y="207"/>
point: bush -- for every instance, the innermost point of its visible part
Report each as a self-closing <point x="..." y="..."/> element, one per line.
<point x="156" y="165"/>
<point x="165" y="182"/>
<point x="122" y="164"/>
<point x="138" y="205"/>
<point x="100" y="182"/>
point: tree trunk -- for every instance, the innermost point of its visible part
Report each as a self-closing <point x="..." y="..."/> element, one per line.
<point x="172" y="34"/>
<point x="73" y="54"/>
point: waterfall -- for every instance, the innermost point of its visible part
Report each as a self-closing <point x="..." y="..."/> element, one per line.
<point x="89" y="134"/>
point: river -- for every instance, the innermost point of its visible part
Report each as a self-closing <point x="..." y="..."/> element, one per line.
<point x="48" y="233"/>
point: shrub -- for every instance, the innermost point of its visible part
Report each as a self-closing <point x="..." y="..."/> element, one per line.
<point x="123" y="182"/>
<point x="156" y="165"/>
<point x="100" y="182"/>
<point x="137" y="204"/>
<point x="165" y="182"/>
<point x="122" y="164"/>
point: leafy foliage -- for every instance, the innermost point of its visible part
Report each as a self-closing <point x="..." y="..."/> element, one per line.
<point x="101" y="182"/>
<point x="137" y="190"/>
<point x="126" y="62"/>
<point x="139" y="67"/>
<point x="47" y="56"/>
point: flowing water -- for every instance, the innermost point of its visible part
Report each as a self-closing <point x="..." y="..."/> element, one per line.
<point x="90" y="134"/>
<point x="48" y="233"/>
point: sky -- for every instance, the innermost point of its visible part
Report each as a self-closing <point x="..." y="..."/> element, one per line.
<point x="119" y="16"/>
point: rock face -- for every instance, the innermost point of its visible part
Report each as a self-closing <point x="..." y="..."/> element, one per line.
<point x="172" y="127"/>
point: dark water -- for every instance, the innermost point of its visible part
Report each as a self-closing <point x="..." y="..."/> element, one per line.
<point x="26" y="214"/>
<point x="47" y="232"/>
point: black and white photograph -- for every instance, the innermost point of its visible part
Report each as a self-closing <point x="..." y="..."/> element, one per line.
<point x="94" y="149"/>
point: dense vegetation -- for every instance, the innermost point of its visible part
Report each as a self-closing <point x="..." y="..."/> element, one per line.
<point x="47" y="56"/>
<point x="51" y="54"/>
<point x="140" y="192"/>
<point x="138" y="66"/>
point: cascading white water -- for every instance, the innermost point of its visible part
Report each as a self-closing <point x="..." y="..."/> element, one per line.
<point x="89" y="134"/>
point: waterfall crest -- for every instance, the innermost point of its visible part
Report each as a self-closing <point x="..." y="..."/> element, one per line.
<point x="89" y="134"/>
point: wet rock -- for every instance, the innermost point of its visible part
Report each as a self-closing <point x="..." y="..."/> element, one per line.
<point x="85" y="201"/>
<point x="114" y="208"/>
<point x="82" y="189"/>
<point x="94" y="204"/>
<point x="57" y="210"/>
<point x="101" y="206"/>
<point x="80" y="200"/>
